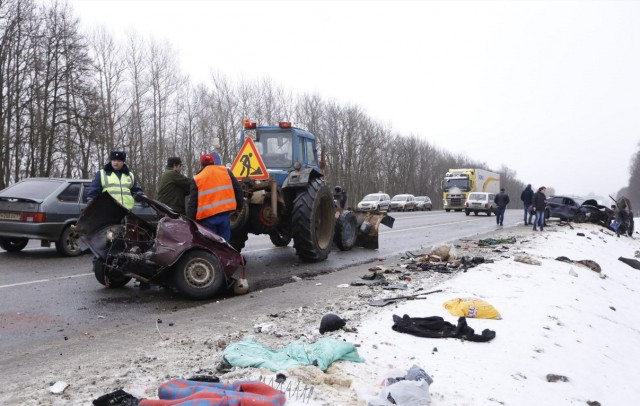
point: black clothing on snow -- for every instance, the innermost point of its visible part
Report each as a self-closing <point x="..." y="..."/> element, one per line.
<point x="436" y="327"/>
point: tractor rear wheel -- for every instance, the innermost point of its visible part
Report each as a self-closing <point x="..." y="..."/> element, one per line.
<point x="313" y="218"/>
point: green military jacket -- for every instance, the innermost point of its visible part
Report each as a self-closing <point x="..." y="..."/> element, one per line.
<point x="173" y="189"/>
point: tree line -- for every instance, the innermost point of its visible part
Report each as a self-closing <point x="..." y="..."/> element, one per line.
<point x="69" y="98"/>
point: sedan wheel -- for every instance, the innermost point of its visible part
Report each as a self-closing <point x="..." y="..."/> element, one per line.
<point x="67" y="245"/>
<point x="13" y="244"/>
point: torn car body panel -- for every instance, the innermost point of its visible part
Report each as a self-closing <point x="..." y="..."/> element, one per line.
<point x="125" y="246"/>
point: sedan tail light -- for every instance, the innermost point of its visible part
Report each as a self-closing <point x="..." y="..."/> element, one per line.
<point x="33" y="217"/>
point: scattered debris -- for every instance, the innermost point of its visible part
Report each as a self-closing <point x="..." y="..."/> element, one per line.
<point x="471" y="307"/>
<point x="58" y="387"/>
<point x="496" y="241"/>
<point x="527" y="259"/>
<point x="587" y="263"/>
<point x="389" y="300"/>
<point x="556" y="378"/>
<point x="331" y="322"/>
<point x="634" y="263"/>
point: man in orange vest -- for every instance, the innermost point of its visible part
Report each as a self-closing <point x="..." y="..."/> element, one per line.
<point x="215" y="193"/>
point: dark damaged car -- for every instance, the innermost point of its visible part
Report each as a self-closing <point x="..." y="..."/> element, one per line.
<point x="178" y="253"/>
<point x="578" y="210"/>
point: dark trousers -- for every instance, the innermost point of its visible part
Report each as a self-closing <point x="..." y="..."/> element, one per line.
<point x="500" y="215"/>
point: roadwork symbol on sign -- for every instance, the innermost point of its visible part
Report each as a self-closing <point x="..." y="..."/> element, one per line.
<point x="248" y="163"/>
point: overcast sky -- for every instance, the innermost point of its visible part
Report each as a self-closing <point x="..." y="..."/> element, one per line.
<point x="549" y="89"/>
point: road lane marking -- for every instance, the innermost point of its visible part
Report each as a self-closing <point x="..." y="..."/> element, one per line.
<point x="44" y="280"/>
<point x="429" y="226"/>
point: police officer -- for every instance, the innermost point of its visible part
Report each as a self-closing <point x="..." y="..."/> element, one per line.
<point x="117" y="180"/>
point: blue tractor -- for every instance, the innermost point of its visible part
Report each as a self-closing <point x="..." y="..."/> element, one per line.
<point x="295" y="202"/>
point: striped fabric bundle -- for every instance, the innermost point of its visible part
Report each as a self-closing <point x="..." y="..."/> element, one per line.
<point x="194" y="393"/>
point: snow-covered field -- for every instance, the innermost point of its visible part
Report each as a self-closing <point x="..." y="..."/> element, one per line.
<point x="558" y="318"/>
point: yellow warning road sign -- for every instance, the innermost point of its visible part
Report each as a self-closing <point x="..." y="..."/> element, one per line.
<point x="248" y="162"/>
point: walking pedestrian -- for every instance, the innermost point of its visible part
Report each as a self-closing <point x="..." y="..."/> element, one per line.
<point x="539" y="206"/>
<point x="527" y="199"/>
<point x="215" y="193"/>
<point x="501" y="200"/>
<point x="174" y="187"/>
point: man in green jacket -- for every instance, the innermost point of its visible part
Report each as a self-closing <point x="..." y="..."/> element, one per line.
<point x="174" y="186"/>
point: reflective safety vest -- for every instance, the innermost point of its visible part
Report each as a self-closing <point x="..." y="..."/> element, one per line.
<point x="215" y="191"/>
<point x="119" y="188"/>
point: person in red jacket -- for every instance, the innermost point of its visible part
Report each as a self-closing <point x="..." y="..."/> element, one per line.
<point x="214" y="194"/>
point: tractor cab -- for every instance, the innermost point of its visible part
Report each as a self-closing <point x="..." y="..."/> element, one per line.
<point x="283" y="148"/>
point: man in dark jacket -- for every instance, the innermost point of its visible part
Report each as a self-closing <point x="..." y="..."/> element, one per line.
<point x="527" y="199"/>
<point x="174" y="186"/>
<point x="501" y="200"/>
<point x="539" y="206"/>
<point x="215" y="194"/>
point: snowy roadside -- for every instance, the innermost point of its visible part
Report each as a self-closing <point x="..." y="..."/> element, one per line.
<point x="557" y="318"/>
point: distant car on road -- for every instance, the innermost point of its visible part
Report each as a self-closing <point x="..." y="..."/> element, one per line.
<point x="480" y="202"/>
<point x="375" y="202"/>
<point x="403" y="202"/>
<point x="44" y="209"/>
<point x="423" y="203"/>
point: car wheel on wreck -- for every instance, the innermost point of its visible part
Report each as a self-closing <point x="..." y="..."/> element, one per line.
<point x="109" y="281"/>
<point x="580" y="218"/>
<point x="198" y="275"/>
<point x="13" y="244"/>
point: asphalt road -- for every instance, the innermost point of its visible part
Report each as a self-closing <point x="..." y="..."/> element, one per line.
<point x="44" y="297"/>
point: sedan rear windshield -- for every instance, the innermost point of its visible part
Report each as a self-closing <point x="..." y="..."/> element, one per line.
<point x="36" y="189"/>
<point x="477" y="196"/>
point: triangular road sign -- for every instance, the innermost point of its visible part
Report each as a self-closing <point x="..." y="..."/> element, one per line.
<point x="248" y="163"/>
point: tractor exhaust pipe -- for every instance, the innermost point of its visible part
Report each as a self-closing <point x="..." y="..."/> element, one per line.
<point x="274" y="199"/>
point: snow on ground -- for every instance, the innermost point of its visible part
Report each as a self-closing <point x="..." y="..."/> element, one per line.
<point x="557" y="318"/>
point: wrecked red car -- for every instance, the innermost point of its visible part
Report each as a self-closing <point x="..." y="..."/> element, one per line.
<point x="177" y="253"/>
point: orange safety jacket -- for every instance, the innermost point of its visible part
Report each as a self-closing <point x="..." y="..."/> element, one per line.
<point x="215" y="191"/>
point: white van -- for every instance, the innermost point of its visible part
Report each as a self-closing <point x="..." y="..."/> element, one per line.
<point x="375" y="202"/>
<point x="480" y="202"/>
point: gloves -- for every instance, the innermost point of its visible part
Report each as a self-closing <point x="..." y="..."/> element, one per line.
<point x="138" y="196"/>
